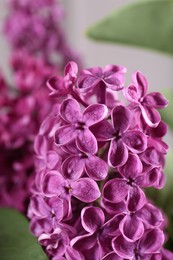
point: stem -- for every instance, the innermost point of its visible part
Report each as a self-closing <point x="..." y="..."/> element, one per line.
<point x="77" y="97"/>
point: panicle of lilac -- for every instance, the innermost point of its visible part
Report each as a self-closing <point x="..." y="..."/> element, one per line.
<point x="35" y="27"/>
<point x="95" y="154"/>
<point x="22" y="110"/>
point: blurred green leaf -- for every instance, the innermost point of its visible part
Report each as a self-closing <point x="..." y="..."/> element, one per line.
<point x="147" y="24"/>
<point x="16" y="242"/>
<point x="166" y="113"/>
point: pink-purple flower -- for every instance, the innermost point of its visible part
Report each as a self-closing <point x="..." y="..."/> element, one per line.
<point x="93" y="161"/>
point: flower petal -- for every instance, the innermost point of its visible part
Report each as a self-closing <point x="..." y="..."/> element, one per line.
<point x="85" y="190"/>
<point x="151" y="116"/>
<point x="141" y="82"/>
<point x="155" y="100"/>
<point x="94" y="114"/>
<point x="83" y="242"/>
<point x="65" y="134"/>
<point x="96" y="168"/>
<point x="123" y="248"/>
<point x="113" y="208"/>
<point x="131" y="94"/>
<point x="150" y="215"/>
<point x="132" y="168"/>
<point x="70" y="111"/>
<point x="72" y="167"/>
<point x="121" y="118"/>
<point x="115" y="190"/>
<point x="152" y="241"/>
<point x="103" y="131"/>
<point x="131" y="228"/>
<point x="118" y="153"/>
<point x="92" y="219"/>
<point x="111" y="256"/>
<point x="135" y="140"/>
<point x="111" y="227"/>
<point x="52" y="184"/>
<point x="87" y="142"/>
<point x="39" y="206"/>
<point x="136" y="199"/>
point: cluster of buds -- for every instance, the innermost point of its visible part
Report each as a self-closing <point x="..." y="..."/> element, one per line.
<point x="35" y="27"/>
<point x="95" y="154"/>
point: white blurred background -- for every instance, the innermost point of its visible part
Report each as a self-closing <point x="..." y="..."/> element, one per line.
<point x="82" y="13"/>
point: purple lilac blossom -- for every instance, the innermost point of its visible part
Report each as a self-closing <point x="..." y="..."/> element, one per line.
<point x="35" y="27"/>
<point x="93" y="161"/>
<point x="39" y="50"/>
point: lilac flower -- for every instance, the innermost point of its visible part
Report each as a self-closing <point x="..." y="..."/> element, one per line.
<point x="36" y="28"/>
<point x="137" y="95"/>
<point x="111" y="76"/>
<point x="46" y="214"/>
<point x="148" y="246"/>
<point x="77" y="125"/>
<point x="93" y="160"/>
<point x="83" y="189"/>
<point x="75" y="164"/>
<point x="99" y="234"/>
<point x="123" y="139"/>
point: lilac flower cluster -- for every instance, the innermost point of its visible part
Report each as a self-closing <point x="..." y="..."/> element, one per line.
<point x="95" y="154"/>
<point x="22" y="110"/>
<point x="35" y="27"/>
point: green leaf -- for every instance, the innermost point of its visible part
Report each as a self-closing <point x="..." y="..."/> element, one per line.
<point x="16" y="241"/>
<point x="166" y="113"/>
<point x="148" y="24"/>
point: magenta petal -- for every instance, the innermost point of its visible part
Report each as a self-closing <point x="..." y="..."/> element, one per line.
<point x="87" y="142"/>
<point x="132" y="168"/>
<point x="72" y="254"/>
<point x="96" y="168"/>
<point x="85" y="190"/>
<point x="152" y="241"/>
<point x="92" y="219"/>
<point x="151" y="116"/>
<point x="40" y="145"/>
<point x="150" y="215"/>
<point x="111" y="227"/>
<point x="84" y="242"/>
<point x="113" y="208"/>
<point x="70" y="111"/>
<point x="135" y="140"/>
<point x="111" y="256"/>
<point x="115" y="190"/>
<point x="53" y="183"/>
<point x="56" y="85"/>
<point x="155" y="100"/>
<point x="65" y="134"/>
<point x="94" y="114"/>
<point x="53" y="160"/>
<point x="103" y="131"/>
<point x="136" y="199"/>
<point x="56" y="205"/>
<point x="118" y="153"/>
<point x="72" y="167"/>
<point x="121" y="118"/>
<point x="131" y="94"/>
<point x="141" y="83"/>
<point x="39" y="206"/>
<point x="131" y="228"/>
<point x="123" y="248"/>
